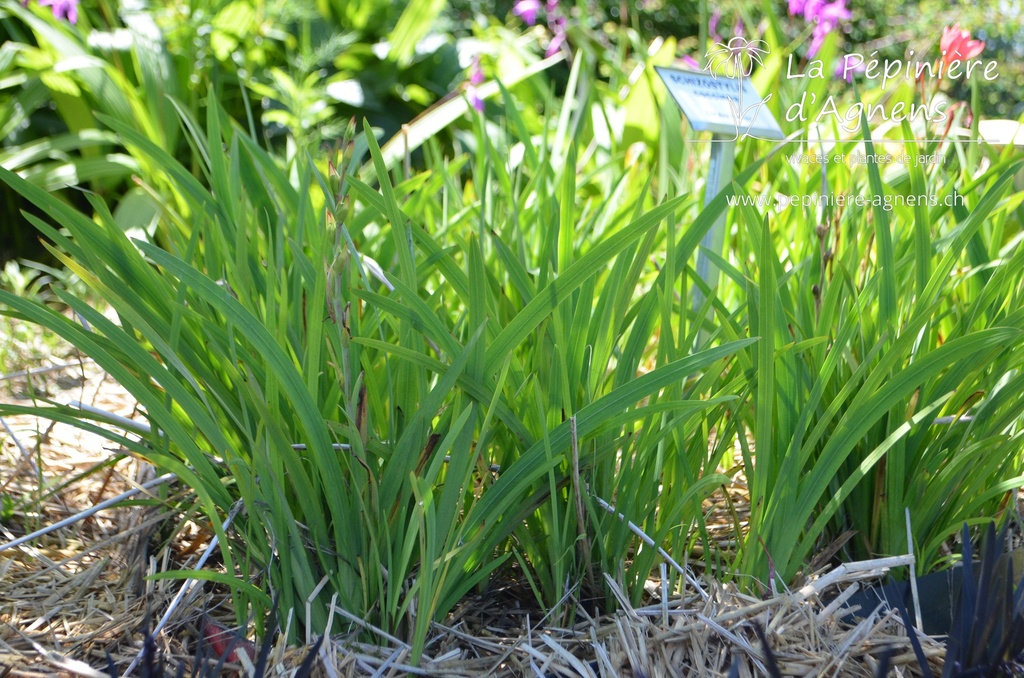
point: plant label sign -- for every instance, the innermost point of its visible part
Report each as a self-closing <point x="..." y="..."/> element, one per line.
<point x="728" y="107"/>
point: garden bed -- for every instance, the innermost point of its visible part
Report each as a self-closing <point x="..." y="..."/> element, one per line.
<point x="78" y="593"/>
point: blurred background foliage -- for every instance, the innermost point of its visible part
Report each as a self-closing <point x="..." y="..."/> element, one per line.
<point x="298" y="70"/>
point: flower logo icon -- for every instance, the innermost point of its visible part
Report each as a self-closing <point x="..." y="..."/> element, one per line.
<point x="737" y="57"/>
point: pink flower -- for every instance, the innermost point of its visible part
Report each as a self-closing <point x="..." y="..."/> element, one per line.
<point x="555" y="44"/>
<point x="812" y="8"/>
<point x="825" y="15"/>
<point x="833" y="13"/>
<point x="527" y="10"/>
<point x="846" y="71"/>
<point x="557" y="26"/>
<point x="690" y="62"/>
<point x="476" y="74"/>
<point x="474" y="98"/>
<point x="716" y="16"/>
<point x="476" y="77"/>
<point x="956" y="45"/>
<point x="808" y="9"/>
<point x="828" y="16"/>
<point x="63" y="9"/>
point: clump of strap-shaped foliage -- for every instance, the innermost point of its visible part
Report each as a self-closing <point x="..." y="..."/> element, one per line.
<point x="417" y="381"/>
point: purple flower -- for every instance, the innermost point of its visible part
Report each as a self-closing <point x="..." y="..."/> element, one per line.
<point x="476" y="77"/>
<point x="845" y="70"/>
<point x="833" y="13"/>
<point x="527" y="10"/>
<point x="812" y="8"/>
<point x="817" y="40"/>
<point x="716" y="16"/>
<point x="476" y="74"/>
<point x="827" y="17"/>
<point x="690" y="62"/>
<point x="63" y="9"/>
<point x="555" y="44"/>
<point x="557" y="26"/>
<point x="796" y="7"/>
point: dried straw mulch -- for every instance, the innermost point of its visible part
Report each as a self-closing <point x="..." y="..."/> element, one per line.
<point x="70" y="597"/>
